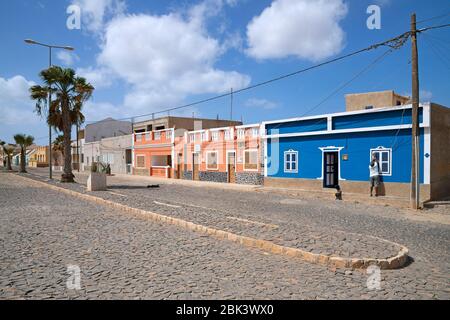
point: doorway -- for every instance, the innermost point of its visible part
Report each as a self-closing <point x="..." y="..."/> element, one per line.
<point x="179" y="166"/>
<point x="195" y="166"/>
<point x="331" y="169"/>
<point x="231" y="166"/>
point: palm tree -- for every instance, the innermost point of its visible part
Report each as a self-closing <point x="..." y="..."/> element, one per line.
<point x="71" y="93"/>
<point x="58" y="146"/>
<point x="8" y="149"/>
<point x="24" y="141"/>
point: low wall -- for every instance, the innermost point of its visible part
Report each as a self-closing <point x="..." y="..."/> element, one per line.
<point x="250" y="178"/>
<point x="213" y="176"/>
<point x="141" y="172"/>
<point x="386" y="189"/>
<point x="187" y="175"/>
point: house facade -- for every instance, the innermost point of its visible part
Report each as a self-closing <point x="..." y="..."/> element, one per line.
<point x="39" y="157"/>
<point x="116" y="152"/>
<point x="229" y="155"/>
<point x="158" y="145"/>
<point x="335" y="150"/>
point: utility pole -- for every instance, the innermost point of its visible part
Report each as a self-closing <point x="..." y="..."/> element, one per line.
<point x="415" y="174"/>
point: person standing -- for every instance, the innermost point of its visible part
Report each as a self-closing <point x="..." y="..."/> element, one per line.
<point x="374" y="169"/>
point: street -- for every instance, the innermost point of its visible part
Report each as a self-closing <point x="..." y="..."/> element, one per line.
<point x="121" y="256"/>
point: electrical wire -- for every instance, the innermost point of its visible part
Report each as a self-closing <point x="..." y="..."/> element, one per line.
<point x="393" y="43"/>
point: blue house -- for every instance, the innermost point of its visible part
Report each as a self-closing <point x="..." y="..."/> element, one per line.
<point x="335" y="149"/>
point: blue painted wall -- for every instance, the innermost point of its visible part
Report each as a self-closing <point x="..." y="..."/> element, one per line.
<point x="298" y="126"/>
<point x="356" y="145"/>
<point x="377" y="119"/>
<point x="370" y="119"/>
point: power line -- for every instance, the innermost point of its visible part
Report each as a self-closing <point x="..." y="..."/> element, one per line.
<point x="434" y="27"/>
<point x="434" y="18"/>
<point x="370" y="66"/>
<point x="393" y="43"/>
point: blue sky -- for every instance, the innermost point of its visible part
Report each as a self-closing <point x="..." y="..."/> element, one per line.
<point x="146" y="56"/>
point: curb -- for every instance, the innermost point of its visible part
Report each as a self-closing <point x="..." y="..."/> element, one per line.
<point x="330" y="261"/>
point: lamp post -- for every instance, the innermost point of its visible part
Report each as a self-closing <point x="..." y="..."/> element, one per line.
<point x="50" y="47"/>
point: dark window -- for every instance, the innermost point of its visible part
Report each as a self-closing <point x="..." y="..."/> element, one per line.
<point x="160" y="128"/>
<point x="369" y="107"/>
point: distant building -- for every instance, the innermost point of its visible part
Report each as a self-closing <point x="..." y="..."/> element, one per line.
<point x="374" y="100"/>
<point x="117" y="152"/>
<point x="154" y="141"/>
<point x="106" y="128"/>
<point x="183" y="123"/>
<point x="229" y="155"/>
<point x="39" y="157"/>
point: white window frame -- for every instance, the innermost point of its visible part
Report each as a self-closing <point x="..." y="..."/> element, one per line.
<point x="140" y="156"/>
<point x="290" y="162"/>
<point x="168" y="134"/>
<point x="241" y="134"/>
<point x="138" y="137"/>
<point x="157" y="135"/>
<point x="228" y="135"/>
<point x="204" y="136"/>
<point x="257" y="162"/>
<point x="207" y="161"/>
<point x="215" y="136"/>
<point x="379" y="150"/>
<point x="255" y="132"/>
<point x="191" y="137"/>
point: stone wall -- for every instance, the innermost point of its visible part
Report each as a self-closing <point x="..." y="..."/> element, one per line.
<point x="251" y="178"/>
<point x="141" y="172"/>
<point x="213" y="176"/>
<point x="187" y="175"/>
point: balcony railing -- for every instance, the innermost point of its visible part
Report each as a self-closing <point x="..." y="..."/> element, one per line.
<point x="160" y="136"/>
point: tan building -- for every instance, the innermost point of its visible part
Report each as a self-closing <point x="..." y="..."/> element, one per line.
<point x="39" y="158"/>
<point x="187" y="124"/>
<point x="373" y="100"/>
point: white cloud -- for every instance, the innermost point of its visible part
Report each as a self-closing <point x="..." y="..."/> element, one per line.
<point x="307" y="29"/>
<point x="166" y="59"/>
<point x="95" y="13"/>
<point x="67" y="58"/>
<point x="261" y="104"/>
<point x="17" y="109"/>
<point x="99" y="78"/>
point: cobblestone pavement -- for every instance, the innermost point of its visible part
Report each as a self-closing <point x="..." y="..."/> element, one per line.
<point x="122" y="256"/>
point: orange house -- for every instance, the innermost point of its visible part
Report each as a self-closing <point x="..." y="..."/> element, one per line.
<point x="154" y="153"/>
<point x="230" y="154"/>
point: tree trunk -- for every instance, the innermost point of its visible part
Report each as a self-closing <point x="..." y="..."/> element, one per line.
<point x="9" y="163"/>
<point x="22" y="160"/>
<point x="67" y="175"/>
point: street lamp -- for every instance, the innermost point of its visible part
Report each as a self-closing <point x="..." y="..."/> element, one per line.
<point x="50" y="47"/>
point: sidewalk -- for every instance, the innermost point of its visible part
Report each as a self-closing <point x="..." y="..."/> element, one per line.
<point x="440" y="214"/>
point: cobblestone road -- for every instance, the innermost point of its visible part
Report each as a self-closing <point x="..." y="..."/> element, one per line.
<point x="120" y="256"/>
